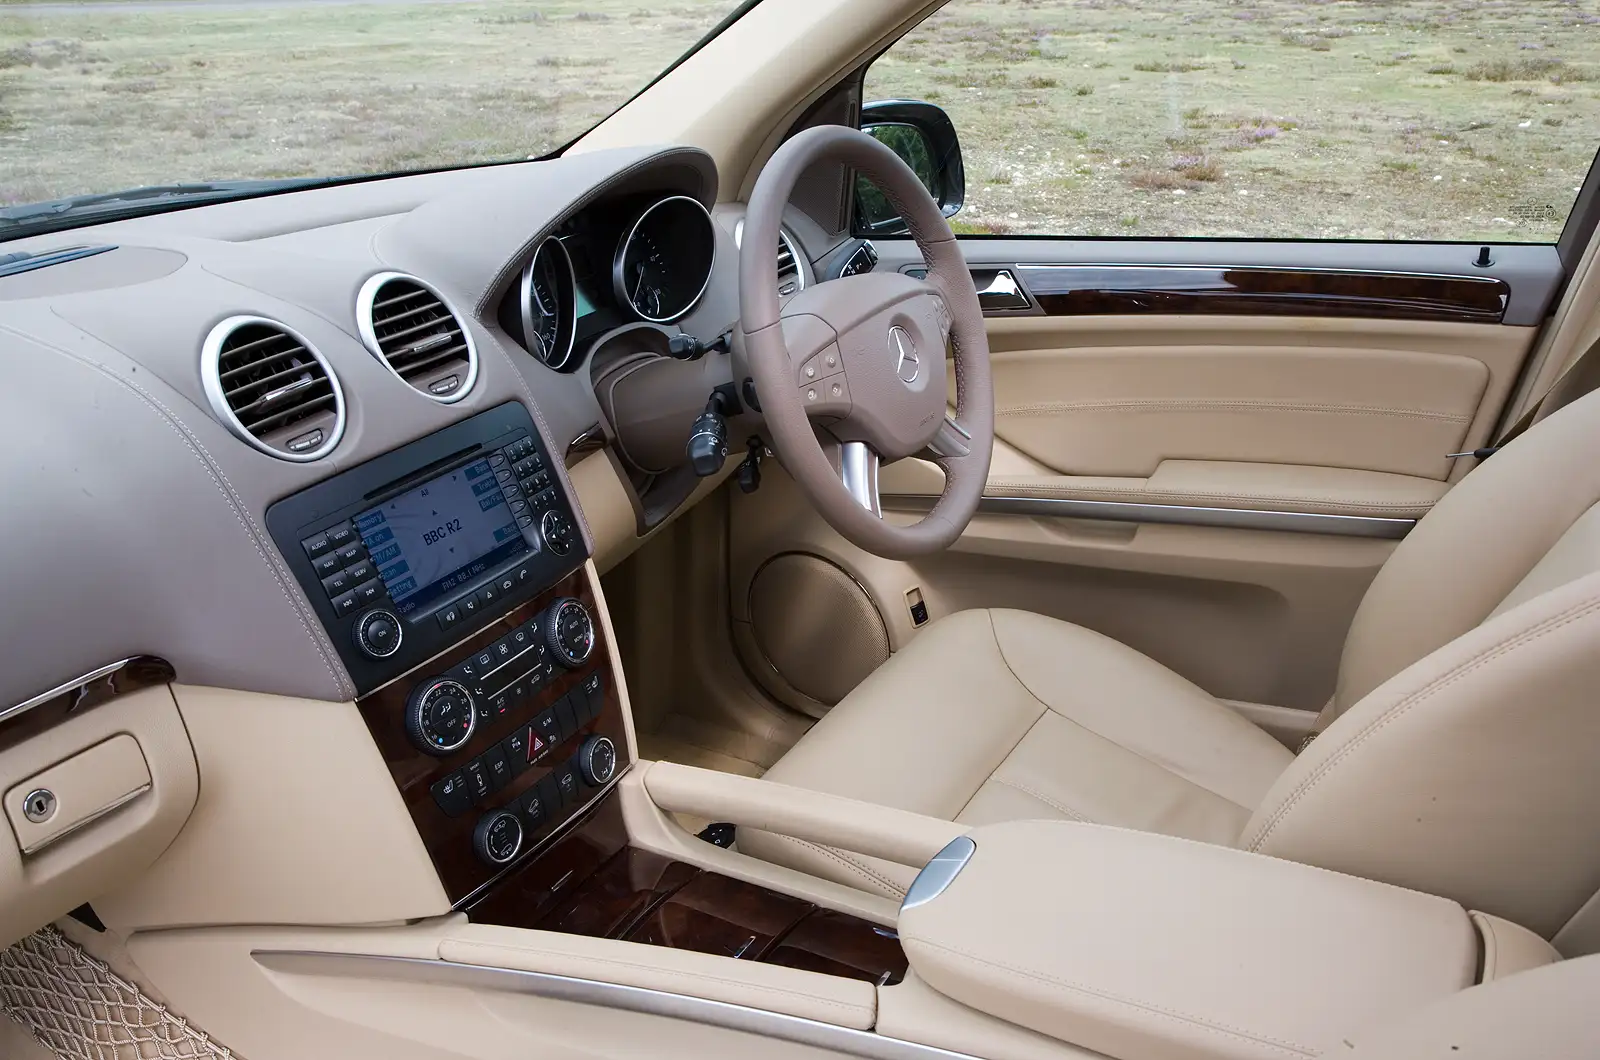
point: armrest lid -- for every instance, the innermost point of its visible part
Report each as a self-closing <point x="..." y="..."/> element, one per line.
<point x="1140" y="945"/>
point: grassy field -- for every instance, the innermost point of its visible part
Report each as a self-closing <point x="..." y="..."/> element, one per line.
<point x="1457" y="119"/>
<point x="1398" y="119"/>
<point x="106" y="100"/>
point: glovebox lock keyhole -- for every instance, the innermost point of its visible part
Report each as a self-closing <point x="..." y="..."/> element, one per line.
<point x="40" y="805"/>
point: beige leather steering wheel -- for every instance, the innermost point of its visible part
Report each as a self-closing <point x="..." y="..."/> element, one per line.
<point x="852" y="372"/>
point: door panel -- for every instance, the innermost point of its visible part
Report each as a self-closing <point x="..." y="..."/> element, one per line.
<point x="1148" y="423"/>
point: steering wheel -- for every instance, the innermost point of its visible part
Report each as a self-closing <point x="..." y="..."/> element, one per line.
<point x="851" y="372"/>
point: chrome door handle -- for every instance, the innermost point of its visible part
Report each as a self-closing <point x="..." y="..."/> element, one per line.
<point x="1001" y="291"/>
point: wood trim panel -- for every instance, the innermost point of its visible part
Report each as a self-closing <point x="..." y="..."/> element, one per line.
<point x="449" y="839"/>
<point x="592" y="883"/>
<point x="26" y="720"/>
<point x="1085" y="290"/>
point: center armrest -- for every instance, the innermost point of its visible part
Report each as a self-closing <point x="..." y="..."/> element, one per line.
<point x="1144" y="946"/>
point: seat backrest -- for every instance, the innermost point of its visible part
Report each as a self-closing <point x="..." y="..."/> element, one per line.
<point x="1463" y="757"/>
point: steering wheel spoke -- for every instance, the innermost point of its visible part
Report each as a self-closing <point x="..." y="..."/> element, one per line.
<point x="952" y="442"/>
<point x="858" y="467"/>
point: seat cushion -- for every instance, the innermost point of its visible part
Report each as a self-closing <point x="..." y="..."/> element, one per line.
<point x="997" y="715"/>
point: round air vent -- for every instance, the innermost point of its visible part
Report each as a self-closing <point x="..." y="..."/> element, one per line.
<point x="271" y="388"/>
<point x="407" y="325"/>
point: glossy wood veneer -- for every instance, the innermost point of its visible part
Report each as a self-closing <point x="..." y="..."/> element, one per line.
<point x="1085" y="290"/>
<point x="592" y="883"/>
<point x="449" y="839"/>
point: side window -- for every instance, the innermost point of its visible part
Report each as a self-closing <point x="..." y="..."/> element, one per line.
<point x="1428" y="120"/>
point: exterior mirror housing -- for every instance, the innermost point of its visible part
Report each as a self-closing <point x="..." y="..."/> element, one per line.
<point x="925" y="138"/>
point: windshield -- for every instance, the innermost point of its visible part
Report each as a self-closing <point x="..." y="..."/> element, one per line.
<point x="104" y="96"/>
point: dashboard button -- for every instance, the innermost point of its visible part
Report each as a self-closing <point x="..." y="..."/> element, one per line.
<point x="495" y="764"/>
<point x="345" y="604"/>
<point x="597" y="761"/>
<point x="498" y="837"/>
<point x="548" y="728"/>
<point x="485" y="661"/>
<point x="348" y="554"/>
<point x="377" y="632"/>
<point x="503" y="649"/>
<point x="566" y="717"/>
<point x="541" y="480"/>
<point x="497" y="460"/>
<point x="524" y="574"/>
<point x="368" y="592"/>
<point x="525" y="468"/>
<point x="338" y="582"/>
<point x="316" y="546"/>
<point x="534" y="813"/>
<point x="477" y="780"/>
<point x="452" y="794"/>
<point x="567" y="781"/>
<point x="515" y="748"/>
<point x="488" y="594"/>
<point x="544" y="499"/>
<point x="524" y="521"/>
<point x="507" y="583"/>
<point x="360" y="572"/>
<point x="341" y="536"/>
<point x="504" y="476"/>
<point x="594" y="693"/>
<point x="468" y="605"/>
<point x="538" y="746"/>
<point x="551" y="793"/>
<point x="327" y="563"/>
<point x="449" y="616"/>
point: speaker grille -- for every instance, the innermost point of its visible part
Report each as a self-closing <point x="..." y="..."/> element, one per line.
<point x="816" y="626"/>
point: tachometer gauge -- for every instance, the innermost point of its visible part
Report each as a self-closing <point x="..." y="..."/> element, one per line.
<point x="664" y="264"/>
<point x="549" y="304"/>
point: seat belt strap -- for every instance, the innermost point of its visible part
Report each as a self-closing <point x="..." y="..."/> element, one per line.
<point x="1581" y="377"/>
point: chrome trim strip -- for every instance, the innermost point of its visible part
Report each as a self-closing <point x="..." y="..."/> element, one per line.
<point x="91" y="819"/>
<point x="1173" y="515"/>
<point x="62" y="689"/>
<point x="607" y="995"/>
<point x="369" y="335"/>
<point x="620" y="288"/>
<point x="526" y="299"/>
<point x="858" y="468"/>
<point x="211" y="383"/>
<point x="940" y="872"/>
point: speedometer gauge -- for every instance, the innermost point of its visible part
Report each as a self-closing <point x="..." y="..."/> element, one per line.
<point x="549" y="304"/>
<point x="664" y="263"/>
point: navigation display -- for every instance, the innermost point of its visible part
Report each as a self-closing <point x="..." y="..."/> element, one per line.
<point x="440" y="535"/>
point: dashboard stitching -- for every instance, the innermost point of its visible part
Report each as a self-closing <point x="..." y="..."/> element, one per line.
<point x="224" y="487"/>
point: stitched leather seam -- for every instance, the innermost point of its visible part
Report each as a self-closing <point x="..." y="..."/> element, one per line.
<point x="218" y="479"/>
<point x="849" y="863"/>
<point x="1059" y="806"/>
<point x="1048" y="709"/>
<point x="1143" y="1006"/>
<point x="1394" y="713"/>
<point x="1047" y="408"/>
<point x="1044" y="708"/>
<point x="1168" y="496"/>
<point x="702" y="976"/>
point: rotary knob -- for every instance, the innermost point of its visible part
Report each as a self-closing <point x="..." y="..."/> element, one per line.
<point x="378" y="633"/>
<point x="556" y="529"/>
<point x="569" y="632"/>
<point x="498" y="837"/>
<point x="440" y="716"/>
<point x="597" y="760"/>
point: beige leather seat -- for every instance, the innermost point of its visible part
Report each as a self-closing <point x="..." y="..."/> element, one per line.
<point x="1460" y="753"/>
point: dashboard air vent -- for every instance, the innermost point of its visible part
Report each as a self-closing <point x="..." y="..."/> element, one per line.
<point x="271" y="388"/>
<point x="407" y="325"/>
<point x="790" y="278"/>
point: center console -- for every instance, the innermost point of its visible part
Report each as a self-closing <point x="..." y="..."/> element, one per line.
<point x="449" y="574"/>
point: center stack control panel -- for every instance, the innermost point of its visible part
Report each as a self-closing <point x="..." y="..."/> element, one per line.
<point x="449" y="573"/>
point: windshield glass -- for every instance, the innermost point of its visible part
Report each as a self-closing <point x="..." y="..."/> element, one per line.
<point x="103" y="96"/>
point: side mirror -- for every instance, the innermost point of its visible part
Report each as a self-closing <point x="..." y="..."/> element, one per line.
<point x="924" y="137"/>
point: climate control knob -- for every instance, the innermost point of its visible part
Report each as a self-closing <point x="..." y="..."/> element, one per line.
<point x="498" y="837"/>
<point x="378" y="633"/>
<point x="569" y="632"/>
<point x="597" y="760"/>
<point x="440" y="716"/>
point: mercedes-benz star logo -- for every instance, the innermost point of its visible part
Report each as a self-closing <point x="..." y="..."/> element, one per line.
<point x="907" y="365"/>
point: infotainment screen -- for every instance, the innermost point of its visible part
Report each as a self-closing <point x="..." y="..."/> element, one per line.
<point x="440" y="535"/>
